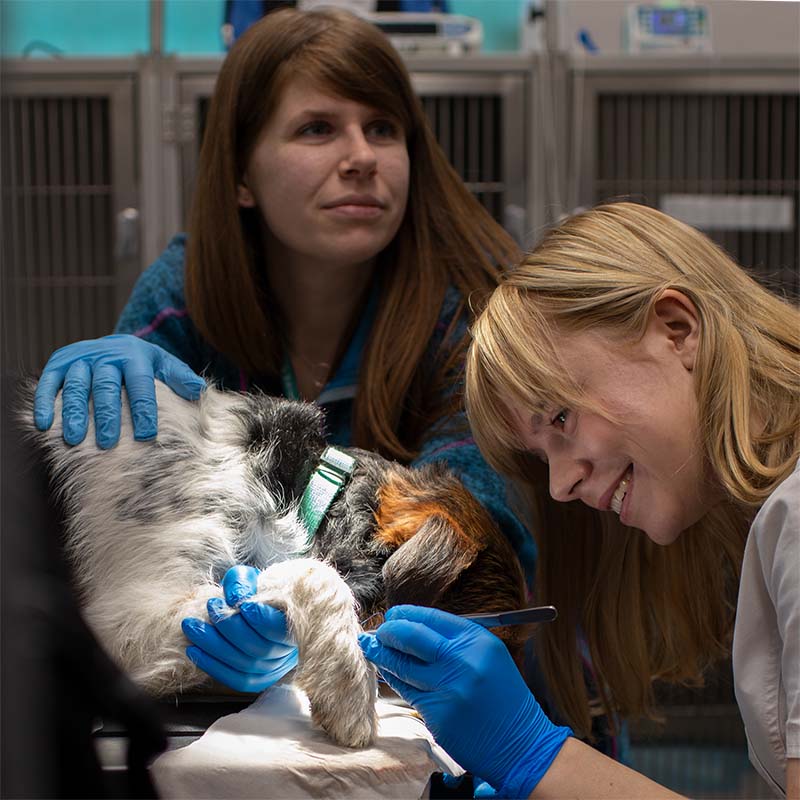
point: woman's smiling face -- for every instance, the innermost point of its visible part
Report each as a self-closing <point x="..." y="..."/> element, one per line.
<point x="640" y="452"/>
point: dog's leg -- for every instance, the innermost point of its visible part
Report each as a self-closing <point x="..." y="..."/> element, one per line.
<point x="321" y="611"/>
<point x="139" y="625"/>
<point x="147" y="590"/>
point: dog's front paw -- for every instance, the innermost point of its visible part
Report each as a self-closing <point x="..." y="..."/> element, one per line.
<point x="321" y="613"/>
<point x="344" y="708"/>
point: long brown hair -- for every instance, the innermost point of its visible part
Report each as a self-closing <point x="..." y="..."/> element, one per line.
<point x="649" y="612"/>
<point x="446" y="237"/>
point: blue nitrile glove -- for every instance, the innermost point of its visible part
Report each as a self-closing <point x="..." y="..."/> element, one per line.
<point x="482" y="789"/>
<point x="249" y="649"/>
<point x="100" y="366"/>
<point x="464" y="683"/>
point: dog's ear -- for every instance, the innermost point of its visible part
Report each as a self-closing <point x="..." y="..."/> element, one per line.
<point x="448" y="552"/>
<point x="425" y="566"/>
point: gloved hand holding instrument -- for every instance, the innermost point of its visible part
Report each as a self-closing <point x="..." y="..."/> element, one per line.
<point x="99" y="367"/>
<point x="462" y="680"/>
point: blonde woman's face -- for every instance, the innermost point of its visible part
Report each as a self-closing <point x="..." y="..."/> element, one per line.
<point x="640" y="454"/>
<point x="330" y="177"/>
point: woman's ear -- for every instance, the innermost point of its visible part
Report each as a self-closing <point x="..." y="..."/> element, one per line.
<point x="675" y="316"/>
<point x="244" y="196"/>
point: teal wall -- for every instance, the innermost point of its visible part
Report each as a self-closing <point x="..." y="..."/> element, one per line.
<point x="500" y="20"/>
<point x="75" y="27"/>
<point x="191" y="27"/>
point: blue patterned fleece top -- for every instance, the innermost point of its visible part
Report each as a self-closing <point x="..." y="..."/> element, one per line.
<point x="156" y="312"/>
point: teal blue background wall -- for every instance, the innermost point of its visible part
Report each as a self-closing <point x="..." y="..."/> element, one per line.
<point x="191" y="27"/>
<point x="74" y="27"/>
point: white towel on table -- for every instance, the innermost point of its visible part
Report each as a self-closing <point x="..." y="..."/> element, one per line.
<point x="271" y="750"/>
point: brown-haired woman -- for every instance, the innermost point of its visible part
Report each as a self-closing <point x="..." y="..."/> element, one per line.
<point x="633" y="366"/>
<point x="330" y="256"/>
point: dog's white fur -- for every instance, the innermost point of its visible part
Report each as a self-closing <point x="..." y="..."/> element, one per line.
<point x="332" y="671"/>
<point x="141" y="574"/>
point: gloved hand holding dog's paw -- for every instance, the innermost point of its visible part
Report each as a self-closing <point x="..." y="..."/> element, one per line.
<point x="466" y="686"/>
<point x="99" y="367"/>
<point x="247" y="645"/>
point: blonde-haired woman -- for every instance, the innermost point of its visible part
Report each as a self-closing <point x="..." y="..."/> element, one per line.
<point x="628" y="363"/>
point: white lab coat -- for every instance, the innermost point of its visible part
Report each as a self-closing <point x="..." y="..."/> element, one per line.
<point x="766" y="639"/>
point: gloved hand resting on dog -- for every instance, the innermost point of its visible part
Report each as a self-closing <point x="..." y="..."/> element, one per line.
<point x="99" y="367"/>
<point x="247" y="646"/>
<point x="466" y="686"/>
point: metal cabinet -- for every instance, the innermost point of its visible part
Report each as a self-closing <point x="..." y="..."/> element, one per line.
<point x="655" y="128"/>
<point x="99" y="159"/>
<point x="70" y="249"/>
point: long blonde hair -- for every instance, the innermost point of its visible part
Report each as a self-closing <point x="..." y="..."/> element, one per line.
<point x="445" y="239"/>
<point x="649" y="612"/>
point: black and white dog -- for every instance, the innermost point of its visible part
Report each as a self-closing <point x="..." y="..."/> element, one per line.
<point x="151" y="528"/>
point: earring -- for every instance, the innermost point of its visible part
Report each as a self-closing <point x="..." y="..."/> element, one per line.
<point x="244" y="196"/>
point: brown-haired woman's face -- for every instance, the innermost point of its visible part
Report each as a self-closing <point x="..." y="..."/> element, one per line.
<point x="330" y="178"/>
